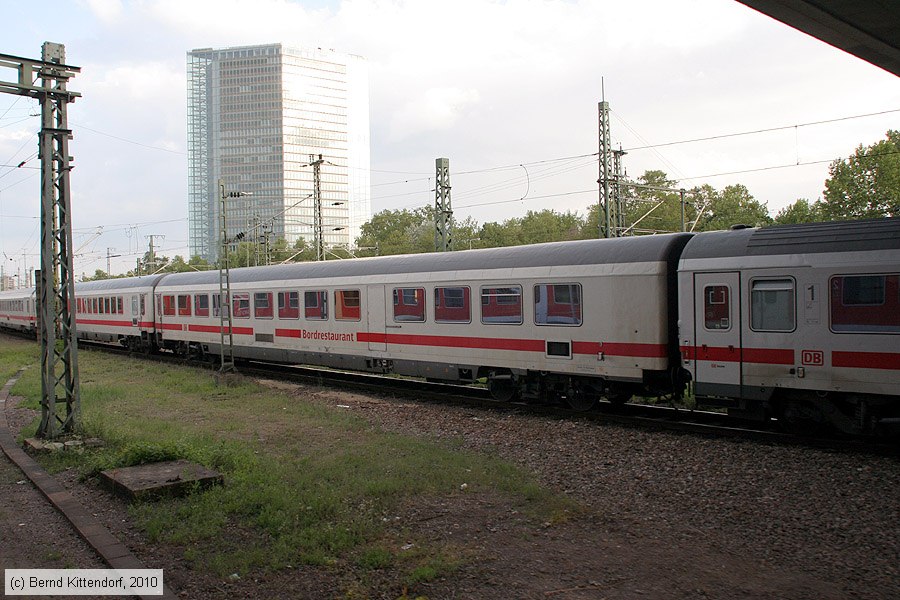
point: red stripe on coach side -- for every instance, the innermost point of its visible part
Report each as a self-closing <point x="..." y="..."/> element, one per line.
<point x="768" y="356"/>
<point x="104" y="323"/>
<point x="621" y="349"/>
<point x="218" y="329"/>
<point x="764" y="356"/>
<point x="866" y="360"/>
<point x="452" y="342"/>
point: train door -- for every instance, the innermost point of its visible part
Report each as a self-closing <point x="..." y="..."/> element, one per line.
<point x="717" y="334"/>
<point x="375" y="314"/>
<point x="135" y="310"/>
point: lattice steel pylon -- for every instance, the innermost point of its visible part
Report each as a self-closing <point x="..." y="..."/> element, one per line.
<point x="443" y="213"/>
<point x="56" y="284"/>
<point x="608" y="212"/>
<point x="318" y="236"/>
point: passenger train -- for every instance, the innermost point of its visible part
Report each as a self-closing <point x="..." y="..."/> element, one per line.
<point x="797" y="323"/>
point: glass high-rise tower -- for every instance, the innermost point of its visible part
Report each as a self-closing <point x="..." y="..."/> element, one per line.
<point x="257" y="117"/>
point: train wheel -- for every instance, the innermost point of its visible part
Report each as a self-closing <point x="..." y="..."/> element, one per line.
<point x="581" y="400"/>
<point x="503" y="387"/>
<point x="802" y="417"/>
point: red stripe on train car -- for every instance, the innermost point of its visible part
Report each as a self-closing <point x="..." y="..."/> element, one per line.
<point x="218" y="329"/>
<point x="621" y="349"/>
<point x="866" y="360"/>
<point x="768" y="356"/>
<point x="104" y="323"/>
<point x="763" y="356"/>
<point x="452" y="341"/>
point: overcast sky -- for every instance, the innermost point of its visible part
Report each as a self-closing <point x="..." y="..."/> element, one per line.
<point x="487" y="84"/>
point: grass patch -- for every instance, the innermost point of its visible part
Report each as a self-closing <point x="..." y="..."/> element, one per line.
<point x="305" y="484"/>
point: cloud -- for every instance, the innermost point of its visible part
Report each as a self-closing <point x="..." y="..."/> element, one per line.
<point x="107" y="11"/>
<point x="435" y="109"/>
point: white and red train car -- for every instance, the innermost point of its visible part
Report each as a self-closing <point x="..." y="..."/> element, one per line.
<point x="799" y="322"/>
<point x="118" y="311"/>
<point x="550" y="319"/>
<point x="18" y="310"/>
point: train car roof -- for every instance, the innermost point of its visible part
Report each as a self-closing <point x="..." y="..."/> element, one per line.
<point x="118" y="283"/>
<point x="17" y="293"/>
<point x="808" y="238"/>
<point x="581" y="252"/>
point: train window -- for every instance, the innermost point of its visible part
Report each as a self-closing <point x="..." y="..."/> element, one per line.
<point x="346" y="305"/>
<point x="105" y="306"/>
<point x="216" y="301"/>
<point x="168" y="305"/>
<point x="716" y="308"/>
<point x="143" y="304"/>
<point x="557" y="304"/>
<point x="315" y="305"/>
<point x="262" y="305"/>
<point x="184" y="305"/>
<point x="288" y="305"/>
<point x="865" y="303"/>
<point x="501" y="305"/>
<point x="772" y="305"/>
<point x="119" y="305"/>
<point x="409" y="304"/>
<point x="241" y="305"/>
<point x="201" y="305"/>
<point x="451" y="305"/>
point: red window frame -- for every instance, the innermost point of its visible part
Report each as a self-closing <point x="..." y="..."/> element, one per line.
<point x="409" y="305"/>
<point x="346" y="305"/>
<point x="168" y="305"/>
<point x="240" y="304"/>
<point x="289" y="305"/>
<point x="262" y="305"/>
<point x="501" y="305"/>
<point x="315" y="305"/>
<point x="199" y="309"/>
<point x="450" y="308"/>
<point x="184" y="305"/>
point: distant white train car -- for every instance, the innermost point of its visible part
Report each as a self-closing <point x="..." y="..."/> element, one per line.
<point x="118" y="311"/>
<point x="18" y="310"/>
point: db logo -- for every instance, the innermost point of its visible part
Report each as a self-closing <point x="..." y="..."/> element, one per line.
<point x="812" y="358"/>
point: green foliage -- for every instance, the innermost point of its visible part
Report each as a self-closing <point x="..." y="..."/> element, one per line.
<point x="734" y="206"/>
<point x="867" y="185"/>
<point x="801" y="211"/>
<point x="403" y="231"/>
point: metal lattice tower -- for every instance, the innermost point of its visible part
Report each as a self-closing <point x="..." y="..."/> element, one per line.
<point x="608" y="214"/>
<point x="226" y="364"/>
<point x="443" y="213"/>
<point x="318" y="239"/>
<point x="56" y="282"/>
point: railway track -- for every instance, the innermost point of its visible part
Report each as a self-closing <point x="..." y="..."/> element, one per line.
<point x="646" y="416"/>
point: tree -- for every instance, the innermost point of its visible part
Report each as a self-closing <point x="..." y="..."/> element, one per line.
<point x="867" y="185"/>
<point x="734" y="206"/>
<point x="652" y="208"/>
<point x="801" y="211"/>
<point x="398" y="232"/>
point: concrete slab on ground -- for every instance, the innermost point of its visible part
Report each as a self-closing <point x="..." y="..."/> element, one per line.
<point x="171" y="478"/>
